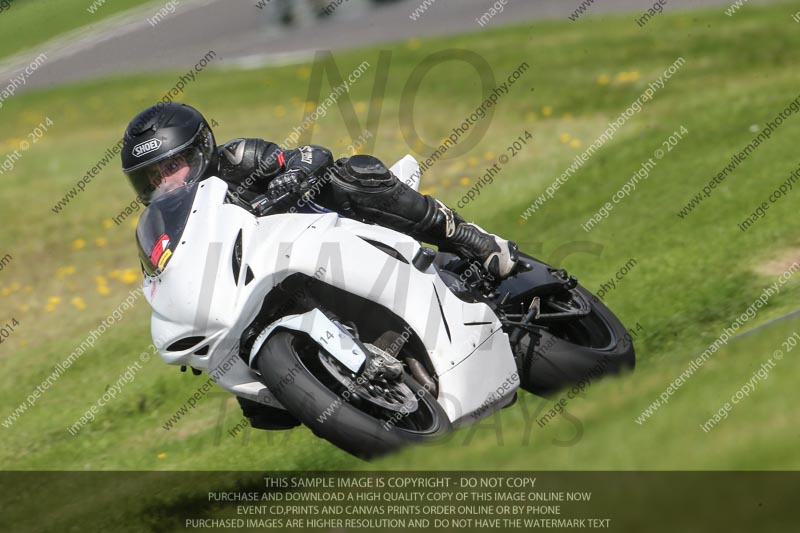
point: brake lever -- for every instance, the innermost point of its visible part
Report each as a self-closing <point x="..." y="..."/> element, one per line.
<point x="262" y="206"/>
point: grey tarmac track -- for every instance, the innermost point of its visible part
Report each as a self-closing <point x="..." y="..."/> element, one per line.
<point x="248" y="37"/>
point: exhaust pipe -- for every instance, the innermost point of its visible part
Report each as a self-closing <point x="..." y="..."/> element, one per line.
<point x="422" y="376"/>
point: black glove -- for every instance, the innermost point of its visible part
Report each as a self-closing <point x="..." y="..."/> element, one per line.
<point x="292" y="182"/>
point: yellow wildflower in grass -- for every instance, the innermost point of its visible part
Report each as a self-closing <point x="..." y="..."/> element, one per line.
<point x="575" y="143"/>
<point x="564" y="138"/>
<point x="23" y="342"/>
<point x="78" y="244"/>
<point x="280" y="111"/>
<point x="473" y="161"/>
<point x="100" y="242"/>
<point x="162" y="455"/>
<point x="130" y="275"/>
<point x="24" y="308"/>
<point x="100" y="280"/>
<point x="447" y="182"/>
<point x="30" y="116"/>
<point x="547" y="110"/>
<point x="108" y="223"/>
<point x="65" y="271"/>
<point x="464" y="181"/>
<point x="489" y="155"/>
<point x="625" y="76"/>
<point x="361" y="107"/>
<point x="79" y="303"/>
<point x="103" y="289"/>
<point x="530" y="116"/>
<point x="13" y="143"/>
<point x="52" y="303"/>
<point x="6" y="291"/>
<point x="303" y="73"/>
<point x="603" y="79"/>
<point x="413" y="44"/>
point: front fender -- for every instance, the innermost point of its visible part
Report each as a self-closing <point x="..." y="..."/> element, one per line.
<point x="322" y="330"/>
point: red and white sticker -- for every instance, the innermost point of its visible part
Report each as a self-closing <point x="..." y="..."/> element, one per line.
<point x="161" y="246"/>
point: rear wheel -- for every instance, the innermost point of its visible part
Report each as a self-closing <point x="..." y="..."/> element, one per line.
<point x="365" y="416"/>
<point x="575" y="351"/>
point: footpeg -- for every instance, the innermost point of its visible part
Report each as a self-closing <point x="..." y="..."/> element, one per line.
<point x="535" y="309"/>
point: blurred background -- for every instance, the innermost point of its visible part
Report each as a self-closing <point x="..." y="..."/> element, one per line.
<point x="74" y="72"/>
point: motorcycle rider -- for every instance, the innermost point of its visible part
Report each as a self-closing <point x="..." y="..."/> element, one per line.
<point x="169" y="145"/>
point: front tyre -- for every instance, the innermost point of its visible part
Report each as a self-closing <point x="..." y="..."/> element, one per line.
<point x="302" y="378"/>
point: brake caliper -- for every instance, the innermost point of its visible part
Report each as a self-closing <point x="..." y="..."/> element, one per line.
<point x="381" y="364"/>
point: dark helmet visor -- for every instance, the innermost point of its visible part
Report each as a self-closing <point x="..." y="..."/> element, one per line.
<point x="183" y="165"/>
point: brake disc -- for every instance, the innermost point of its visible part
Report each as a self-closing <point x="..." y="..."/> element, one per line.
<point x="373" y="385"/>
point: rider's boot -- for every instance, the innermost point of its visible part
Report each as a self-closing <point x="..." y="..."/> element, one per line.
<point x="453" y="234"/>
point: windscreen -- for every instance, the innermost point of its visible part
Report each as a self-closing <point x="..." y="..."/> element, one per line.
<point x="161" y="226"/>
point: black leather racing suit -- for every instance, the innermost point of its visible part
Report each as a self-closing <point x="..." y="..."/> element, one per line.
<point x="254" y="167"/>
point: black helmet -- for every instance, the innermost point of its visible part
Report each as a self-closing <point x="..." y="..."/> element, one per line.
<point x="167" y="146"/>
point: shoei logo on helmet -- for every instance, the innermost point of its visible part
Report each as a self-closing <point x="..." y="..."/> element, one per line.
<point x="146" y="147"/>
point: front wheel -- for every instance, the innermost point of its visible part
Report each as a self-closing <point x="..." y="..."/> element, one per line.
<point x="365" y="416"/>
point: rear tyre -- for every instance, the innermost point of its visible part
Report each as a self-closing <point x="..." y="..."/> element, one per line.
<point x="575" y="351"/>
<point x="290" y="366"/>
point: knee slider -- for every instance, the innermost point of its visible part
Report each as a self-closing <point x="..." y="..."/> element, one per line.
<point x="366" y="171"/>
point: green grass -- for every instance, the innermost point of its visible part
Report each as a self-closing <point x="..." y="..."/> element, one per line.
<point x="27" y="23"/>
<point x="693" y="277"/>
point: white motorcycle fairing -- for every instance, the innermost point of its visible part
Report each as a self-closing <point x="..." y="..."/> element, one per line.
<point x="202" y="304"/>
